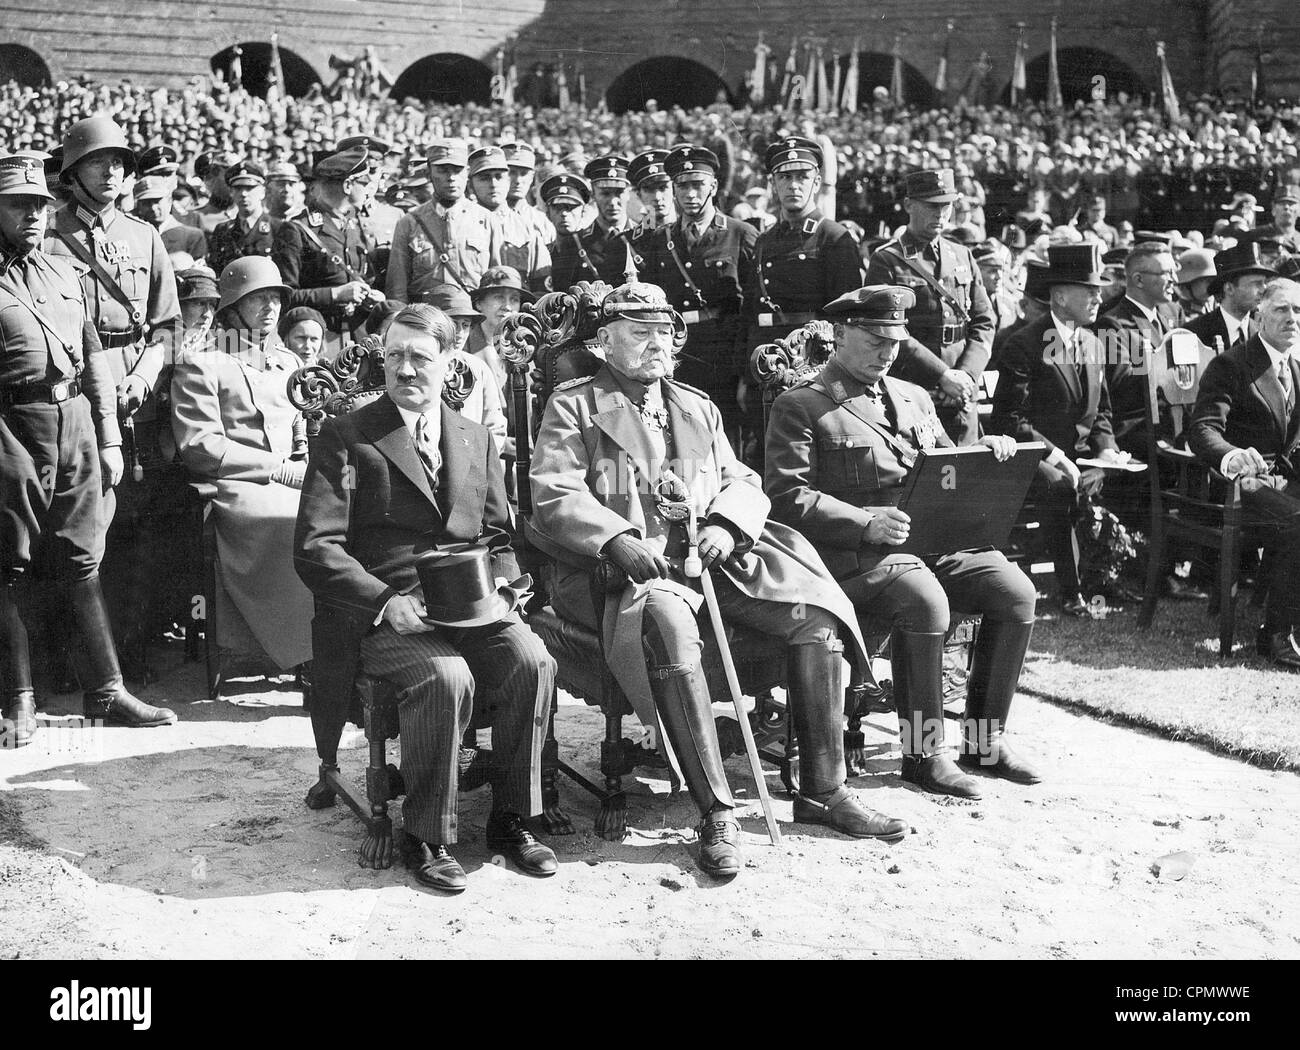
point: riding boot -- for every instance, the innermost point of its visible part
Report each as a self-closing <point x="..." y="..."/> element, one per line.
<point x="995" y="671"/>
<point x="815" y="695"/>
<point x="917" y="662"/>
<point x="681" y="696"/>
<point x="106" y="697"/>
<point x="17" y="697"/>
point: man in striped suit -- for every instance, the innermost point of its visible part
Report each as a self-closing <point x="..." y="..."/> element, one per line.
<point x="388" y="484"/>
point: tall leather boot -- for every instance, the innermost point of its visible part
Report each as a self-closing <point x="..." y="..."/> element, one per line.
<point x="682" y="700"/>
<point x="17" y="698"/>
<point x="815" y="700"/>
<point x="106" y="697"/>
<point x="917" y="662"/>
<point x="995" y="671"/>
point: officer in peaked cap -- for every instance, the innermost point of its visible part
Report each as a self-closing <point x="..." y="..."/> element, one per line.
<point x="284" y="190"/>
<point x="846" y="505"/>
<point x="445" y="240"/>
<point x="952" y="324"/>
<point x="523" y="170"/>
<point x="1284" y="228"/>
<point x="654" y="189"/>
<point x="153" y="204"/>
<point x="211" y="167"/>
<point x="60" y="448"/>
<point x="602" y="250"/>
<point x="565" y="197"/>
<point x="704" y="262"/>
<point x="805" y="259"/>
<point x="515" y="242"/>
<point x="365" y="192"/>
<point x="159" y="160"/>
<point x="321" y="255"/>
<point x="252" y="231"/>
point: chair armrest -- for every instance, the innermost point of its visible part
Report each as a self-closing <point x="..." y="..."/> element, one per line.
<point x="1182" y="454"/>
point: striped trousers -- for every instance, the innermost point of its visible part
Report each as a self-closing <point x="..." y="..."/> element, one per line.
<point x="437" y="675"/>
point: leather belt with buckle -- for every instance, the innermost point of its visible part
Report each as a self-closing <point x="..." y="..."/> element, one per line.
<point x="785" y="317"/>
<point x="709" y="313"/>
<point x="948" y="333"/>
<point x="116" y="340"/>
<point x="41" y="393"/>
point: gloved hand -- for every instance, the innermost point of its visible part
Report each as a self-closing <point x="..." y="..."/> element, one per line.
<point x="637" y="558"/>
<point x="716" y="544"/>
<point x="290" y="472"/>
<point x="131" y="395"/>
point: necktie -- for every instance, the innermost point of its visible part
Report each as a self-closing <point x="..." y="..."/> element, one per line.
<point x="427" y="449"/>
<point x="1284" y="377"/>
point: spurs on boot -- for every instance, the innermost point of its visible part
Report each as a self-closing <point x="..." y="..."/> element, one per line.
<point x="106" y="697"/>
<point x="841" y="811"/>
<point x="507" y="833"/>
<point x="433" y="865"/>
<point x="996" y="663"/>
<point x="719" y="844"/>
<point x="939" y="775"/>
<point x="19" y="714"/>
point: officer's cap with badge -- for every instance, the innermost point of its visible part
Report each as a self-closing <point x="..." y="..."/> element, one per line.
<point x="282" y="171"/>
<point x="566" y="188"/>
<point x="520" y="155"/>
<point x="487" y="159"/>
<point x="159" y="160"/>
<point x="452" y="153"/>
<point x="339" y="165"/>
<point x="23" y="177"/>
<point x="374" y="147"/>
<point x="934" y="187"/>
<point x="881" y="307"/>
<point x="647" y="169"/>
<point x="245" y="173"/>
<point x="793" y="153"/>
<point x="689" y="159"/>
<point x="152" y="188"/>
<point x="608" y="172"/>
<point x="212" y="162"/>
<point x="95" y="135"/>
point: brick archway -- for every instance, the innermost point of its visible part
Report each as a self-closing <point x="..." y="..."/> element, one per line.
<point x="23" y="65"/>
<point x="668" y="79"/>
<point x="299" y="76"/>
<point x="1079" y="67"/>
<point x="445" y="77"/>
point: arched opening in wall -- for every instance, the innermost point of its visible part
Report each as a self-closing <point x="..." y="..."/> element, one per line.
<point x="255" y="68"/>
<point x="23" y="65"/>
<point x="670" y="81"/>
<point x="876" y="69"/>
<point x="1086" y="73"/>
<point x="447" y="78"/>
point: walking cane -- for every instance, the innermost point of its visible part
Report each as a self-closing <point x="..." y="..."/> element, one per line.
<point x="693" y="568"/>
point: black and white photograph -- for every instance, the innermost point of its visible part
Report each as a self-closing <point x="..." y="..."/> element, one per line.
<point x="576" y="480"/>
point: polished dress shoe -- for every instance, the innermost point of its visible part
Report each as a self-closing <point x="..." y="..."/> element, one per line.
<point x="1005" y="764"/>
<point x="1280" y="647"/>
<point x="507" y="834"/>
<point x="939" y="775"/>
<point x="841" y="811"/>
<point x="433" y="865"/>
<point x="719" y="845"/>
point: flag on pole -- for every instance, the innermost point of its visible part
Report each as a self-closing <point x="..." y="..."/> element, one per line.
<point x="1054" y="100"/>
<point x="972" y="92"/>
<point x="810" y="80"/>
<point x="582" y="86"/>
<point x="512" y="80"/>
<point x="849" y="100"/>
<point x="941" y="76"/>
<point x="758" y="85"/>
<point x="791" y="72"/>
<point x="1258" y="89"/>
<point x="896" y="79"/>
<point x="1167" y="92"/>
<point x="1019" y="76"/>
<point x="275" y="75"/>
<point x="236" y="74"/>
<point x="823" y="91"/>
<point x="835" y="84"/>
<point x="563" y="84"/>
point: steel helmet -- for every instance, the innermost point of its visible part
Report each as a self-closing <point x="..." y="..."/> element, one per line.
<point x="93" y="135"/>
<point x="253" y="273"/>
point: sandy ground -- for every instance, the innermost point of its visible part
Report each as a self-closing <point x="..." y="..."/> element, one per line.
<point x="193" y="842"/>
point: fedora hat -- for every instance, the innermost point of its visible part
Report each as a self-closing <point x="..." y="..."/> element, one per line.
<point x="1241" y="260"/>
<point x="459" y="590"/>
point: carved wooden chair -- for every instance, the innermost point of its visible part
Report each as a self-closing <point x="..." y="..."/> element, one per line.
<point x="353" y="379"/>
<point x="776" y="367"/>
<point x="545" y="344"/>
<point x="1188" y="501"/>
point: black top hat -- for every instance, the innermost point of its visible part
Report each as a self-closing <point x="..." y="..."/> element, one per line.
<point x="1074" y="264"/>
<point x="1035" y="281"/>
<point x="459" y="590"/>
<point x="1241" y="260"/>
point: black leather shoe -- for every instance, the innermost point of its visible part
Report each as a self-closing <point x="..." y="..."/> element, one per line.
<point x="719" y="845"/>
<point x="1005" y="764"/>
<point x="1281" y="648"/>
<point x="841" y="811"/>
<point x="120" y="708"/>
<point x="507" y="834"/>
<point x="1181" y="590"/>
<point x="939" y="775"/>
<point x="433" y="865"/>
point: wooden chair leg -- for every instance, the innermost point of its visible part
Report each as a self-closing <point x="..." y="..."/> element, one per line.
<point x="554" y="819"/>
<point x="377" y="847"/>
<point x="211" y="649"/>
<point x="611" y="821"/>
<point x="1229" y="567"/>
<point x="1155" y="561"/>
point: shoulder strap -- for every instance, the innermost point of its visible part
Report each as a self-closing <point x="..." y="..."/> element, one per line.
<point x="306" y="231"/>
<point x="672" y="251"/>
<point x="443" y="256"/>
<point x="102" y="276"/>
<point x="42" y="319"/>
<point x="905" y="451"/>
<point x="943" y="292"/>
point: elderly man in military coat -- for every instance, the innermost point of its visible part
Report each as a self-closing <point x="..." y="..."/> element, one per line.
<point x="606" y="444"/>
<point x="839" y="449"/>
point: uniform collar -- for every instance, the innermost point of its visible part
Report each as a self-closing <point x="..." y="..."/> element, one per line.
<point x="798" y="224"/>
<point x="910" y="240"/>
<point x="89" y="218"/>
<point x="842" y="386"/>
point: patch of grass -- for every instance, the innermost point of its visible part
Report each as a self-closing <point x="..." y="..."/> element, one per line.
<point x="13" y="831"/>
<point x="1171" y="680"/>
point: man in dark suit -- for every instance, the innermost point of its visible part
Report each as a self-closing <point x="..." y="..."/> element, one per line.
<point x="1237" y="286"/>
<point x="839" y="449"/>
<point x="386" y="485"/>
<point x="1246" y="424"/>
<point x="1052" y="388"/>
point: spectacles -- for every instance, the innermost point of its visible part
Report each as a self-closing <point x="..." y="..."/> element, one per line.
<point x="1169" y="275"/>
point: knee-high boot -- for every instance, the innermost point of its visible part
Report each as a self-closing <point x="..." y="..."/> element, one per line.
<point x="17" y="697"/>
<point x="815" y="693"/>
<point x="995" y="671"/>
<point x="106" y="696"/>
<point x="917" y="662"/>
